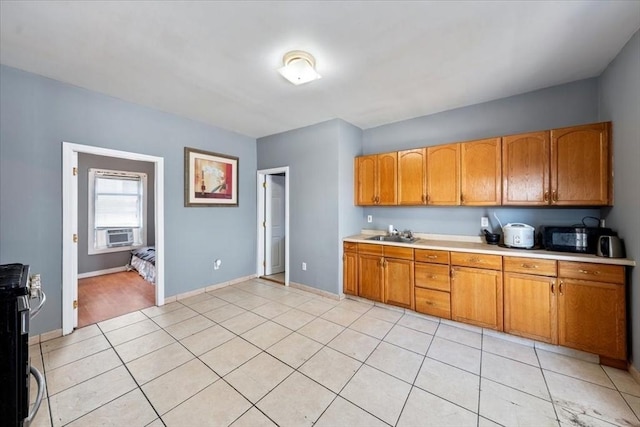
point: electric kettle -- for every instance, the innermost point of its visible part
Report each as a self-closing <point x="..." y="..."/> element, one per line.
<point x="610" y="247"/>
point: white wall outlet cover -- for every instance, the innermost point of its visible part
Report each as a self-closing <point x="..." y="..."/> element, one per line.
<point x="369" y="218"/>
<point x="304" y="266"/>
<point x="216" y="264"/>
<point x="484" y="222"/>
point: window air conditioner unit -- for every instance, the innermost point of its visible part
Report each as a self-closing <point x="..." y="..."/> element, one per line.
<point x="119" y="237"/>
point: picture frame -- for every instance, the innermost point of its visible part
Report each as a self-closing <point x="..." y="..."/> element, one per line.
<point x="210" y="179"/>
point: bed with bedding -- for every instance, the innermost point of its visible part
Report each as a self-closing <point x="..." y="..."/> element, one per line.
<point x="143" y="260"/>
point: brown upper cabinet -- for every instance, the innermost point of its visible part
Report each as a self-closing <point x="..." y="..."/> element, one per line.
<point x="560" y="167"/>
<point x="480" y="173"/>
<point x="376" y="179"/>
<point x="525" y="169"/>
<point x="412" y="177"/>
<point x="443" y="175"/>
<point x="581" y="165"/>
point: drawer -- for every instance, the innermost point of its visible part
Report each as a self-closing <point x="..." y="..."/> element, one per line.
<point x="540" y="267"/>
<point x="432" y="276"/>
<point x="350" y="246"/>
<point x="398" y="252"/>
<point x="368" y="248"/>
<point x="591" y="271"/>
<point x="428" y="255"/>
<point x="434" y="303"/>
<point x="491" y="262"/>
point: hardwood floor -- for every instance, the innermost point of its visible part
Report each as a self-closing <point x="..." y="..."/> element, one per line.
<point x="111" y="295"/>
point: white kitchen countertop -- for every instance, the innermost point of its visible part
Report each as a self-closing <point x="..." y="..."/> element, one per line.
<point x="475" y="244"/>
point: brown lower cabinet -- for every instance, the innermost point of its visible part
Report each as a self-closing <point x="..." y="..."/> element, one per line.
<point x="573" y="304"/>
<point x="591" y="309"/>
<point x="530" y="298"/>
<point x="350" y="268"/>
<point x="385" y="274"/>
<point x="432" y="284"/>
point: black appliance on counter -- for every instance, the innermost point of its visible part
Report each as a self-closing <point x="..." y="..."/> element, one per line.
<point x="16" y="288"/>
<point x="574" y="239"/>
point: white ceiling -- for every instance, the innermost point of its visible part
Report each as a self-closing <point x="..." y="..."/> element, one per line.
<point x="381" y="61"/>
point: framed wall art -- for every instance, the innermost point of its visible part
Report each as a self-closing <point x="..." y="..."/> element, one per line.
<point x="210" y="179"/>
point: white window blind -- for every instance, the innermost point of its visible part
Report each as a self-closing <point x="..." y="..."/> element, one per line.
<point x="118" y="201"/>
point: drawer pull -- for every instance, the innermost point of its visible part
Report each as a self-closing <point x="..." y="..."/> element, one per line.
<point x="429" y="302"/>
<point x="595" y="272"/>
<point x="474" y="259"/>
<point x="529" y="265"/>
<point x="432" y="256"/>
<point x="432" y="276"/>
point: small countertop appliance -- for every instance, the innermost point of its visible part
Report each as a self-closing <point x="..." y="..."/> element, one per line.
<point x="518" y="235"/>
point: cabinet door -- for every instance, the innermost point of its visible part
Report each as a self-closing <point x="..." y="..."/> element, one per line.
<point x="530" y="306"/>
<point x="387" y="179"/>
<point x="412" y="178"/>
<point x="365" y="179"/>
<point x="443" y="174"/>
<point x="481" y="172"/>
<point x="350" y="273"/>
<point x="476" y="297"/>
<point x="591" y="317"/>
<point x="370" y="277"/>
<point x="580" y="165"/>
<point x="398" y="282"/>
<point x="525" y="169"/>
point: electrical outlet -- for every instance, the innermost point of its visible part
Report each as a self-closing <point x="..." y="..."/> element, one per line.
<point x="369" y="218"/>
<point x="304" y="266"/>
<point x="216" y="264"/>
<point x="484" y="222"/>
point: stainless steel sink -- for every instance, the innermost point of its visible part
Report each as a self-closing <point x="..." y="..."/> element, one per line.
<point x="397" y="239"/>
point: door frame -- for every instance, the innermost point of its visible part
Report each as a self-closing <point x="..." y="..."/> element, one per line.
<point x="261" y="178"/>
<point x="70" y="223"/>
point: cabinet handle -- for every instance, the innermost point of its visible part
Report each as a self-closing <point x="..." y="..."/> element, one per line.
<point x="453" y="274"/>
<point x="432" y="276"/>
<point x="461" y="198"/>
<point x="381" y="263"/>
<point x="424" y="198"/>
<point x="554" y="195"/>
<point x="560" y="288"/>
<point x="529" y="265"/>
<point x="429" y="302"/>
<point x="595" y="272"/>
<point x="552" y="283"/>
<point x="428" y="198"/>
<point x="432" y="256"/>
<point x="546" y="196"/>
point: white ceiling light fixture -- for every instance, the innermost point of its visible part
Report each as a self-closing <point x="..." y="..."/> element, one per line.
<point x="299" y="67"/>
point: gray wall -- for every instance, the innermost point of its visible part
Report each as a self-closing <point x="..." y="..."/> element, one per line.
<point x="349" y="215"/>
<point x="565" y="105"/>
<point x="89" y="263"/>
<point x="37" y="114"/>
<point x="313" y="155"/>
<point x="620" y="102"/>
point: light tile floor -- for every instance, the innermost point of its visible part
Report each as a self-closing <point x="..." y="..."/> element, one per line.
<point x="260" y="354"/>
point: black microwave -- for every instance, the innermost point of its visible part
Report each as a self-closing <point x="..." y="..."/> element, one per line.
<point x="573" y="239"/>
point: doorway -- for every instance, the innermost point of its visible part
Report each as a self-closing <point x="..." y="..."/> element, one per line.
<point x="70" y="224"/>
<point x="273" y="225"/>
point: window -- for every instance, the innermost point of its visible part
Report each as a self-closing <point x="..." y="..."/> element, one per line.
<point x="117" y="210"/>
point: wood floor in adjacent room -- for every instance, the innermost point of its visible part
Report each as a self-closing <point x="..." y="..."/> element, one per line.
<point x="111" y="295"/>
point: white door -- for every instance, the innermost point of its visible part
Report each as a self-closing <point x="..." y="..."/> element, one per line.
<point x="274" y="224"/>
<point x="74" y="220"/>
